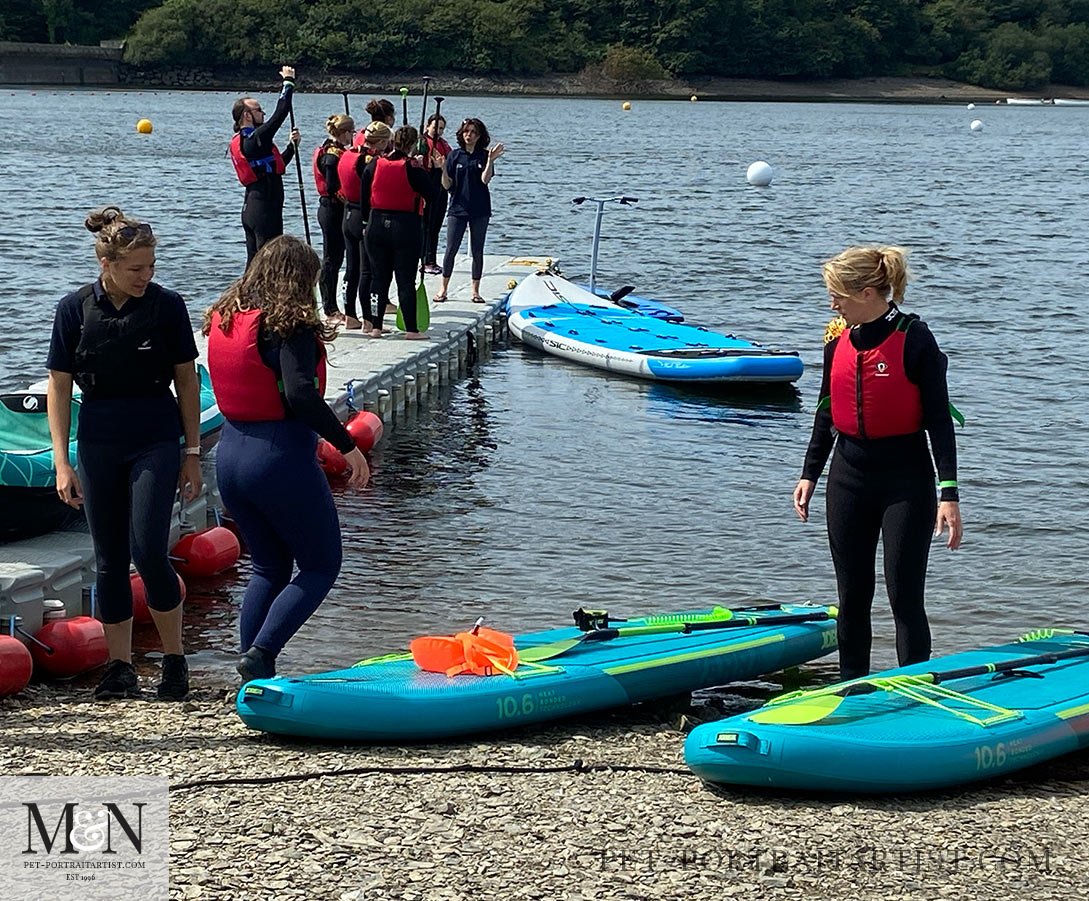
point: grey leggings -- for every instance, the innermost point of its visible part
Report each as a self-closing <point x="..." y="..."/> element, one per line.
<point x="455" y="232"/>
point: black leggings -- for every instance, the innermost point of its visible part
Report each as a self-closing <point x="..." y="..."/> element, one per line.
<point x="900" y="506"/>
<point x="129" y="497"/>
<point x="262" y="217"/>
<point x="353" y="251"/>
<point x="331" y="220"/>
<point x="393" y="242"/>
<point x="455" y="232"/>
<point x="434" y="213"/>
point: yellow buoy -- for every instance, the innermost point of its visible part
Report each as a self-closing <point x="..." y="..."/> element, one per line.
<point x="693" y="98"/>
<point x="625" y="105"/>
<point x="144" y="126"/>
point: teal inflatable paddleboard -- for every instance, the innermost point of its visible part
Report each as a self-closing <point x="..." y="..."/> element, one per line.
<point x="950" y="721"/>
<point x="561" y="672"/>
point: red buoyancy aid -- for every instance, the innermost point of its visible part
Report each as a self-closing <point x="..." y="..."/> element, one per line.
<point x="391" y="189"/>
<point x="351" y="188"/>
<point x="246" y="169"/>
<point x="246" y="389"/>
<point x="319" y="176"/>
<point x="871" y="395"/>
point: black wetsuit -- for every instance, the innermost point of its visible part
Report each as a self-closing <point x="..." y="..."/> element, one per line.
<point x="129" y="430"/>
<point x="436" y="209"/>
<point x="394" y="241"/>
<point x="263" y="208"/>
<point x="885" y="486"/>
<point x="331" y="220"/>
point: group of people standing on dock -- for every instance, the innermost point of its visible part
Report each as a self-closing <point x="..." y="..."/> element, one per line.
<point x="383" y="195"/>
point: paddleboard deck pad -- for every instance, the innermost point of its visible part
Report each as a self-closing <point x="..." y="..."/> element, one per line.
<point x="571" y="323"/>
<point x="389" y="699"/>
<point x="914" y="736"/>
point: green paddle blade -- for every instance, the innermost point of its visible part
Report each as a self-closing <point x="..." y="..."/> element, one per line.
<point x="423" y="308"/>
<point x="798" y="713"/>
<point x="546" y="651"/>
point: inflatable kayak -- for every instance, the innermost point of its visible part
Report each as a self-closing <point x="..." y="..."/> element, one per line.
<point x="559" y="673"/>
<point x="28" y="502"/>
<point x="946" y="722"/>
<point x="553" y="315"/>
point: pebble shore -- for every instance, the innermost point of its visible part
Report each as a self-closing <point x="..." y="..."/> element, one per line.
<point x="578" y="810"/>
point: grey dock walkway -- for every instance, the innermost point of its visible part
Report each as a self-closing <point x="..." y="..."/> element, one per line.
<point x="389" y="376"/>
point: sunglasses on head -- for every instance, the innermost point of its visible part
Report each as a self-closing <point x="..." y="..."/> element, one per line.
<point x="129" y="233"/>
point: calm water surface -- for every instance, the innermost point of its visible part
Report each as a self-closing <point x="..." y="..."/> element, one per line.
<point x="537" y="486"/>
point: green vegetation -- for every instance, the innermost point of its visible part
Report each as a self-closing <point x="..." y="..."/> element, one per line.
<point x="1011" y="44"/>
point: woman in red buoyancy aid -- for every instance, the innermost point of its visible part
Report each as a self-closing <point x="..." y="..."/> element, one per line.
<point x="331" y="207"/>
<point x="266" y="356"/>
<point x="883" y="392"/>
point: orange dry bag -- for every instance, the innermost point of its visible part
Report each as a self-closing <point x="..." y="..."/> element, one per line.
<point x="483" y="652"/>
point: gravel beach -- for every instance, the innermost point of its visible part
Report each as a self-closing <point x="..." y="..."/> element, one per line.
<point x="582" y="809"/>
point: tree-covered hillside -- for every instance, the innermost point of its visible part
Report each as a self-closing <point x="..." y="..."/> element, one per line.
<point x="1013" y="44"/>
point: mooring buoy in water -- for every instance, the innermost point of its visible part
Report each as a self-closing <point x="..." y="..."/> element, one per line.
<point x="759" y="174"/>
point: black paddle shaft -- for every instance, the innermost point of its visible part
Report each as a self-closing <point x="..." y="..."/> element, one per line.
<point x="687" y="628"/>
<point x="298" y="172"/>
<point x="862" y="688"/>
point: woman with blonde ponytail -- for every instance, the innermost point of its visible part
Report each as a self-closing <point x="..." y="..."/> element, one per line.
<point x="883" y="392"/>
<point x="331" y="208"/>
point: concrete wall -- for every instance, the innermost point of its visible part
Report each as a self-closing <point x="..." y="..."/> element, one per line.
<point x="60" y="64"/>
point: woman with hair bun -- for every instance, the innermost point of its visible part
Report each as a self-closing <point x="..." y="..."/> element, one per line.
<point x="883" y="392"/>
<point x="266" y="356"/>
<point x="331" y="207"/>
<point x="380" y="110"/>
<point x="123" y="339"/>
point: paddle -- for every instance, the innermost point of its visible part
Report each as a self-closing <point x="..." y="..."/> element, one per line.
<point x="802" y="708"/>
<point x="347" y="112"/>
<point x="404" y="106"/>
<point x="298" y="172"/>
<point x="728" y="621"/>
<point x="422" y="141"/>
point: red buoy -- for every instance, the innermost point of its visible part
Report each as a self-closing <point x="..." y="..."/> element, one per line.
<point x="331" y="460"/>
<point x="141" y="613"/>
<point x="366" y="430"/>
<point x="16" y="665"/>
<point x="75" y="646"/>
<point x="206" y="553"/>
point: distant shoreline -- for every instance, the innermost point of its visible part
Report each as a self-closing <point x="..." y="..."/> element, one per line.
<point x="584" y="85"/>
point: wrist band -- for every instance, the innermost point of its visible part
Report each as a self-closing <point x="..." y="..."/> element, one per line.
<point x="948" y="483"/>
<point x="192" y="451"/>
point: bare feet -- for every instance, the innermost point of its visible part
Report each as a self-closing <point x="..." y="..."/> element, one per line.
<point x="375" y="333"/>
<point x="352" y="322"/>
<point x="417" y="336"/>
<point x="439" y="298"/>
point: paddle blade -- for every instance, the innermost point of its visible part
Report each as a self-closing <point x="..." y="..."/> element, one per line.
<point x="547" y="651"/>
<point x="400" y="319"/>
<point x="798" y="713"/>
<point x="423" y="308"/>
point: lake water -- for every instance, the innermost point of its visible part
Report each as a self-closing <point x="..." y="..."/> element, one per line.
<point x="538" y="486"/>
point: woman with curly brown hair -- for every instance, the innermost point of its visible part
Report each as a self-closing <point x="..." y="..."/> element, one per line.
<point x="266" y="356"/>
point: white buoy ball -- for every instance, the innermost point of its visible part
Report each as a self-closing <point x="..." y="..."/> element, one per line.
<point x="693" y="98"/>
<point x="625" y="105"/>
<point x="971" y="106"/>
<point x="759" y="174"/>
<point x="977" y="125"/>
